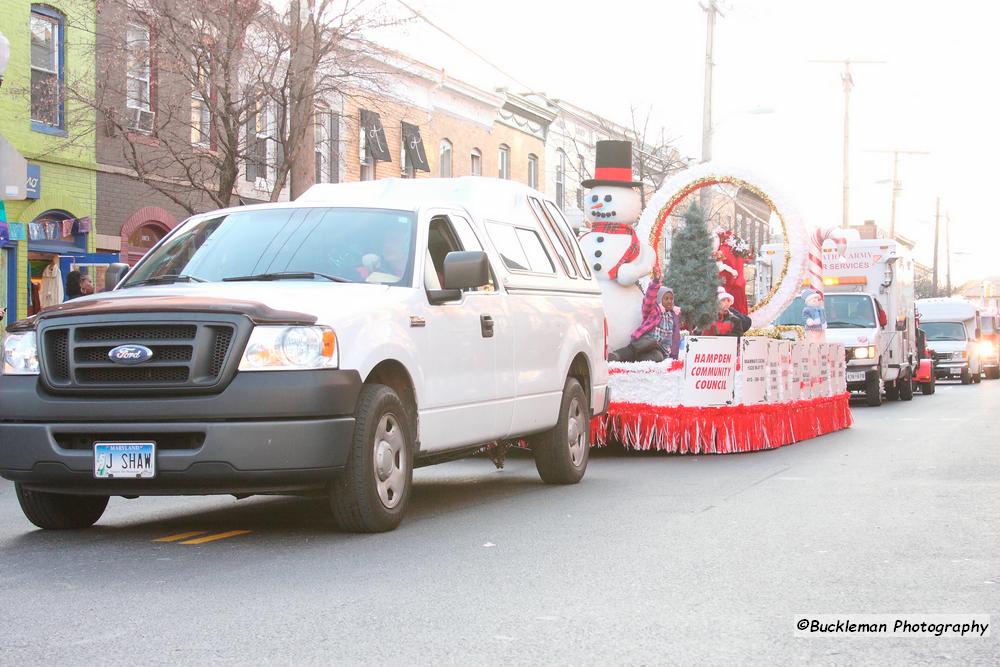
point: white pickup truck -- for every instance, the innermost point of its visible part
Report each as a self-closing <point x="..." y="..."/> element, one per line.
<point x="323" y="346"/>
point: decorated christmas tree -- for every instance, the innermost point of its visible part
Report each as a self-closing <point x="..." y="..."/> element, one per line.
<point x="693" y="273"/>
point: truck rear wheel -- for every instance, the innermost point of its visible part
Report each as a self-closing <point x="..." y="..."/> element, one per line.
<point x="977" y="377"/>
<point x="905" y="385"/>
<point x="372" y="492"/>
<point x="873" y="390"/>
<point x="57" y="511"/>
<point x="561" y="454"/>
<point x="928" y="388"/>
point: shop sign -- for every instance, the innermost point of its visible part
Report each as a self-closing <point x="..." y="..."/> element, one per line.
<point x="33" y="189"/>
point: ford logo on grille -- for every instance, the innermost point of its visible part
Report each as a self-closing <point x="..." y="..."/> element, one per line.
<point x="130" y="354"/>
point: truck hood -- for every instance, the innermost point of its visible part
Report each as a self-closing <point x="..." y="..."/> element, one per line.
<point x="263" y="302"/>
<point x="853" y="337"/>
<point x="940" y="346"/>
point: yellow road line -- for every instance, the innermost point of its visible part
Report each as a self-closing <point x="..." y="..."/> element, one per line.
<point x="180" y="536"/>
<point x="219" y="536"/>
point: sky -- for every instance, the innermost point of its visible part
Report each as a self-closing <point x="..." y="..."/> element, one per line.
<point x="775" y="113"/>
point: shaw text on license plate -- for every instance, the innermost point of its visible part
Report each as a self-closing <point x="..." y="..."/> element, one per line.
<point x="124" y="460"/>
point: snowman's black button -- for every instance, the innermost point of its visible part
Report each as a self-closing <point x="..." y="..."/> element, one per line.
<point x="597" y="267"/>
<point x="600" y="239"/>
<point x="597" y="253"/>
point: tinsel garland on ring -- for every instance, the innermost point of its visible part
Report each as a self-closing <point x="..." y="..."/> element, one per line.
<point x="724" y="430"/>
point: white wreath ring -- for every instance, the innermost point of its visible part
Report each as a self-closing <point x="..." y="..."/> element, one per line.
<point x="796" y="244"/>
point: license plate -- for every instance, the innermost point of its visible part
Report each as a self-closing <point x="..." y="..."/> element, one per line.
<point x="955" y="371"/>
<point x="124" y="460"/>
<point x="856" y="376"/>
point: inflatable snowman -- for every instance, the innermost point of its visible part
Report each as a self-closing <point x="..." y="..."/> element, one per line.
<point x="616" y="255"/>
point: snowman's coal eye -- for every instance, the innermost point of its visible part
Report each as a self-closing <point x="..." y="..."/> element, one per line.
<point x="594" y="198"/>
<point x="607" y="197"/>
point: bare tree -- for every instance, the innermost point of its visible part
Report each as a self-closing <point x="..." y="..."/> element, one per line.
<point x="194" y="94"/>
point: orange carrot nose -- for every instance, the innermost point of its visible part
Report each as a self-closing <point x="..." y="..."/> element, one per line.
<point x="597" y="205"/>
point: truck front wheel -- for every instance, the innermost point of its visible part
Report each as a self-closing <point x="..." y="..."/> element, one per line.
<point x="372" y="492"/>
<point x="905" y="384"/>
<point x="966" y="376"/>
<point x="561" y="454"/>
<point x="57" y="511"/>
<point x="873" y="390"/>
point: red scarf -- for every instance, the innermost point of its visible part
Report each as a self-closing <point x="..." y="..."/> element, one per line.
<point x="619" y="228"/>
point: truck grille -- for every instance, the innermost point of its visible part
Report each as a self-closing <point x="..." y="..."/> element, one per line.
<point x="186" y="356"/>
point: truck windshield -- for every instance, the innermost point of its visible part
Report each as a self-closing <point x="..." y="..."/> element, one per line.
<point x="989" y="324"/>
<point x="341" y="244"/>
<point x="943" y="330"/>
<point x="843" y="311"/>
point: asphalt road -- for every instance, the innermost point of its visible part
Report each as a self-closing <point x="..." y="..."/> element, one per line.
<point x="651" y="560"/>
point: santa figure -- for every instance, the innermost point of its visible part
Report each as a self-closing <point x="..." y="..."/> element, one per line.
<point x="731" y="267"/>
<point x="616" y="255"/>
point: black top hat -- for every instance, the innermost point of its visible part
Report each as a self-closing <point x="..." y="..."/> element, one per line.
<point x="614" y="165"/>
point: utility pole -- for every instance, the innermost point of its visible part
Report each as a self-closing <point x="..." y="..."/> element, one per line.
<point x="848" y="82"/>
<point x="896" y="184"/>
<point x="706" y="120"/>
<point x="937" y="227"/>
<point x="947" y="250"/>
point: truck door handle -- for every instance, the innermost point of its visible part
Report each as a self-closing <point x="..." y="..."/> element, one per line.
<point x="486" y="322"/>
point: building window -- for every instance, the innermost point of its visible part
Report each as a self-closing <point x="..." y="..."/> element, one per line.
<point x="561" y="179"/>
<point x="257" y="136"/>
<point x="580" y="175"/>
<point x="444" y="159"/>
<point x="324" y="146"/>
<point x="503" y="160"/>
<point x="476" y="162"/>
<point x="201" y="100"/>
<point x="139" y="78"/>
<point x="46" y="68"/>
<point x="404" y="159"/>
<point x="533" y="171"/>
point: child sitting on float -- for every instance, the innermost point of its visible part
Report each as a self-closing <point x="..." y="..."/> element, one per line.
<point x="659" y="335"/>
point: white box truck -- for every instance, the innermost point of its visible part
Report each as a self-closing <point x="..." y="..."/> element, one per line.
<point x="954" y="334"/>
<point x="869" y="302"/>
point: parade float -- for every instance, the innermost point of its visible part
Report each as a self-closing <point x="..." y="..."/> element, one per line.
<point x="770" y="387"/>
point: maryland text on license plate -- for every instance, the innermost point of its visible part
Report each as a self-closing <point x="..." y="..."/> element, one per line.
<point x="124" y="460"/>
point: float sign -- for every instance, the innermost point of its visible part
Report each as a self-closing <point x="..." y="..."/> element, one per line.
<point x="754" y="369"/>
<point x="773" y="394"/>
<point x="710" y="370"/>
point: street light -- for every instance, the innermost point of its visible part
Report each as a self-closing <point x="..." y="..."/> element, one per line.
<point x="4" y="56"/>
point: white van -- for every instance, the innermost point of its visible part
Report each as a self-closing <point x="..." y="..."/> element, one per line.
<point x="328" y="345"/>
<point x="953" y="330"/>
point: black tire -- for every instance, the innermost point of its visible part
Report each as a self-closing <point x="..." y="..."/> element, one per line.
<point x="928" y="388"/>
<point x="57" y="511"/>
<point x="561" y="454"/>
<point x="977" y="377"/>
<point x="966" y="376"/>
<point x="355" y="498"/>
<point x="892" y="389"/>
<point x="873" y="391"/>
<point x="905" y="385"/>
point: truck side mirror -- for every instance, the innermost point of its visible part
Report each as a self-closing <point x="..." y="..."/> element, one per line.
<point x="466" y="269"/>
<point x="114" y="274"/>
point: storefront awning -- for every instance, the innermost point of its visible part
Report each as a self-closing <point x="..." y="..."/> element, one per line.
<point x="376" y="147"/>
<point x="414" y="147"/>
<point x="13" y="172"/>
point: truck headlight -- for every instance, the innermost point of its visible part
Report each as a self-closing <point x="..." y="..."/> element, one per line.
<point x="864" y="352"/>
<point x="987" y="348"/>
<point x="290" y="348"/>
<point x="20" y="354"/>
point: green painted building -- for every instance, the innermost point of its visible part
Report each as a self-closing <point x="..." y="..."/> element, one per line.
<point x="51" y="65"/>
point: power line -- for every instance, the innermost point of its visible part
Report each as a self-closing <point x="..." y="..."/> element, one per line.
<point x="460" y="43"/>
